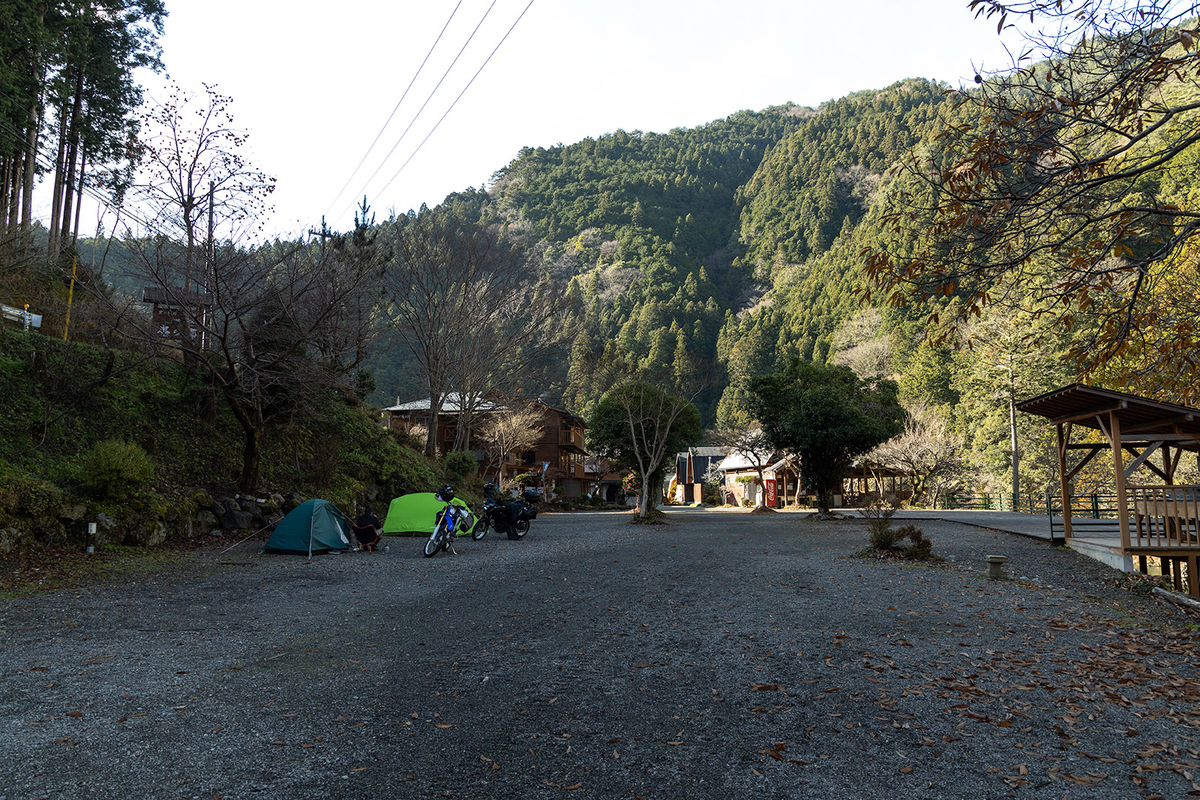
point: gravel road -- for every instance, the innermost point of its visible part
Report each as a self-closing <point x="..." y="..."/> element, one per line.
<point x="725" y="655"/>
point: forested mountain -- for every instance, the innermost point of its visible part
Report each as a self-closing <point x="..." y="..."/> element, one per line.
<point x="723" y="246"/>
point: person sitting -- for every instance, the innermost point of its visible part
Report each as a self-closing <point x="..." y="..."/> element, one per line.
<point x="366" y="530"/>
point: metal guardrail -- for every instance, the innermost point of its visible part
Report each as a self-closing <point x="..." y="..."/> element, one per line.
<point x="21" y="316"/>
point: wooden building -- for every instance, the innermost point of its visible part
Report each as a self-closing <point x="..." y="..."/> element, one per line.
<point x="690" y="469"/>
<point x="558" y="457"/>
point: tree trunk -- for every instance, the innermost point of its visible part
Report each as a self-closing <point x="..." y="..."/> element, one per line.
<point x="1016" y="462"/>
<point x="72" y="157"/>
<point x="644" y="500"/>
<point x="251" y="447"/>
<point x="435" y="410"/>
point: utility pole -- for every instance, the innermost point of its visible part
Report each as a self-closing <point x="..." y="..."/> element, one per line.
<point x="324" y="233"/>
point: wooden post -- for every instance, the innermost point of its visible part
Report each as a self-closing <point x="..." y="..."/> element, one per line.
<point x="1193" y="562"/>
<point x="1114" y="433"/>
<point x="1063" y="484"/>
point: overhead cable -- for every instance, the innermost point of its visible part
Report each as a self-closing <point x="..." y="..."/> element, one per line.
<point x="427" y="99"/>
<point x="460" y="95"/>
<point x="394" y="110"/>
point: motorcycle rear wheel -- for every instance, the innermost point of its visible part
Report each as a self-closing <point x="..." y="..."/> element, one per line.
<point x="520" y="528"/>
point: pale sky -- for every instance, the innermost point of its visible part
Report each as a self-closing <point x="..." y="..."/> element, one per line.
<point x="312" y="83"/>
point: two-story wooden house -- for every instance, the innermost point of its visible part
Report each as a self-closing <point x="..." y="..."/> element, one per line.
<point x="558" y="456"/>
<point x="557" y="459"/>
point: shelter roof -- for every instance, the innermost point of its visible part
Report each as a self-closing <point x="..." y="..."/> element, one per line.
<point x="706" y="452"/>
<point x="741" y="461"/>
<point x="1090" y="406"/>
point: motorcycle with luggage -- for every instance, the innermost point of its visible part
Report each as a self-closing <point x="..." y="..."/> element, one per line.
<point x="508" y="516"/>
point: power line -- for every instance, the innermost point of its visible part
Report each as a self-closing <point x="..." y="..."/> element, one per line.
<point x="427" y="99"/>
<point x="452" y="105"/>
<point x="397" y="108"/>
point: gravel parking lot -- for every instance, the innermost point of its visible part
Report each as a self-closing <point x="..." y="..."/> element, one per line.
<point x="723" y="655"/>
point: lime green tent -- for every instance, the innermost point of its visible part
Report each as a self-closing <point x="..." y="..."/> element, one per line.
<point x="313" y="527"/>
<point x="416" y="514"/>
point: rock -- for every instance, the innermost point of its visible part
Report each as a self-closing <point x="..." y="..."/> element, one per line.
<point x="237" y="520"/>
<point x="71" y="513"/>
<point x="50" y="532"/>
<point x="204" y="521"/>
<point x="203" y="500"/>
<point x="12" y="538"/>
<point x="151" y="535"/>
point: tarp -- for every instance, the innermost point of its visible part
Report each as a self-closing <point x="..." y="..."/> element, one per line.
<point x="313" y="527"/>
<point x="416" y="514"/>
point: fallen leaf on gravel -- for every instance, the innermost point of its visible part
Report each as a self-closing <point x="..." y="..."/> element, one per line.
<point x="75" y="714"/>
<point x="615" y="741"/>
<point x="572" y="787"/>
<point x="764" y="687"/>
<point x="445" y="726"/>
<point x="343" y="719"/>
<point x="357" y="769"/>
<point x="906" y="770"/>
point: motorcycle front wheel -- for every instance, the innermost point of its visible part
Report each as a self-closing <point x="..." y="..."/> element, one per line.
<point x="482" y="526"/>
<point x="434" y="542"/>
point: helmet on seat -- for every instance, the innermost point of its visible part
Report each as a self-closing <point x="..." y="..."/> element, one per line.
<point x="445" y="494"/>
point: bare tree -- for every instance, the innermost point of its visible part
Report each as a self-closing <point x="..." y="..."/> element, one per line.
<point x="274" y="333"/>
<point x="511" y="429"/>
<point x="638" y="424"/>
<point x="928" y="451"/>
<point x="468" y="307"/>
<point x="753" y="446"/>
<point x="193" y="177"/>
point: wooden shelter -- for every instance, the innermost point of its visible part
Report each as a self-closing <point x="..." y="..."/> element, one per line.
<point x="1158" y="520"/>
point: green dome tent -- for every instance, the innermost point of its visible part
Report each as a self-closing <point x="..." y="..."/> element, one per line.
<point x="416" y="514"/>
<point x="313" y="527"/>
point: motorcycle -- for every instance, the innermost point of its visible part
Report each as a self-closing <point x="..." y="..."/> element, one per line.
<point x="510" y="517"/>
<point x="450" y="520"/>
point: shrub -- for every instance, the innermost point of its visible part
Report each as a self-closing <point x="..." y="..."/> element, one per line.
<point x="879" y="522"/>
<point x="459" y="465"/>
<point x="114" y="470"/>
<point x="24" y="495"/>
<point x="883" y="536"/>
<point x="919" y="547"/>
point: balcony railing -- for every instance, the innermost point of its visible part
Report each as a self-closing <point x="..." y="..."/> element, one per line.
<point x="1165" y="516"/>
